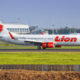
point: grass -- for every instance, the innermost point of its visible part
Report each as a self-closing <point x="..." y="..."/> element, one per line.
<point x="58" y="58"/>
<point x="18" y="47"/>
<point x="34" y="47"/>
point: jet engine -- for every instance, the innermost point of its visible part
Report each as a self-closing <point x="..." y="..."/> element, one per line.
<point x="48" y="45"/>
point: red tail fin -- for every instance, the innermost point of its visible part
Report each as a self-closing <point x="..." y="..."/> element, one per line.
<point x="1" y="28"/>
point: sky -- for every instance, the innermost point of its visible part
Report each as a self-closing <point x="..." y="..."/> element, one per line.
<point x="42" y="13"/>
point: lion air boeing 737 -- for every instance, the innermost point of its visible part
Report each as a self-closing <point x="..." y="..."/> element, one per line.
<point x="44" y="41"/>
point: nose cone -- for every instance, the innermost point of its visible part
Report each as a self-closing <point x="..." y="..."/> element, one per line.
<point x="1" y="28"/>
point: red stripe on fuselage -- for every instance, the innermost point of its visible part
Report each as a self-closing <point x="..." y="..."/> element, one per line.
<point x="12" y="37"/>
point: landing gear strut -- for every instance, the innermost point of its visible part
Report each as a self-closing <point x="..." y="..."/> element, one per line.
<point x="44" y="48"/>
<point x="39" y="47"/>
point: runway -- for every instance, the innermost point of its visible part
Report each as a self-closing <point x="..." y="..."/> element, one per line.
<point x="35" y="50"/>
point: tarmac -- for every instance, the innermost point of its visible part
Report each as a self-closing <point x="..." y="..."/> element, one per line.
<point x="35" y="50"/>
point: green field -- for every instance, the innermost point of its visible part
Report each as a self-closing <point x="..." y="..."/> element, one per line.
<point x="40" y="58"/>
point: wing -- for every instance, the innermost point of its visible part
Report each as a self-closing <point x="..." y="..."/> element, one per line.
<point x="35" y="42"/>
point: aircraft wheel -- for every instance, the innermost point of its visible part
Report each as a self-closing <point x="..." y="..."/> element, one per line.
<point x="44" y="48"/>
<point x="39" y="47"/>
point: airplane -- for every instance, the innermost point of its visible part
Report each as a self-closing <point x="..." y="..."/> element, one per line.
<point x="44" y="41"/>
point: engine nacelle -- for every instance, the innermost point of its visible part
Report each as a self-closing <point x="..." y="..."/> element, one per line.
<point x="48" y="45"/>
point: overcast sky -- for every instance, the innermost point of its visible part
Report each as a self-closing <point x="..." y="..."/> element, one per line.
<point x="43" y="13"/>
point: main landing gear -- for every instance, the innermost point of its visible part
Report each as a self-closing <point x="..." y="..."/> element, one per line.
<point x="44" y="48"/>
<point x="39" y="47"/>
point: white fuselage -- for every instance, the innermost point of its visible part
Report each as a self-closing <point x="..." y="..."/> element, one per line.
<point x="57" y="39"/>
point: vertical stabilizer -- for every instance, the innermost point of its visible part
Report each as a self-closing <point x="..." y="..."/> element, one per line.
<point x="3" y="30"/>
